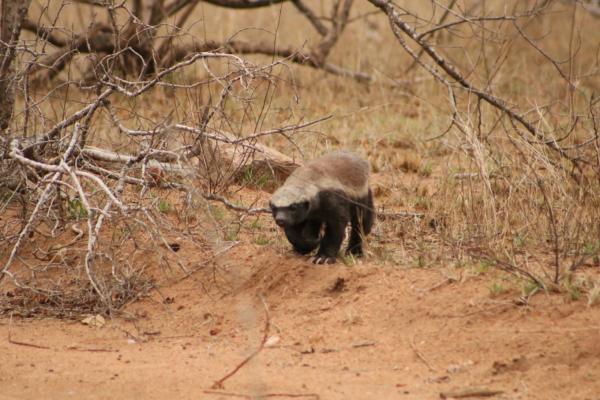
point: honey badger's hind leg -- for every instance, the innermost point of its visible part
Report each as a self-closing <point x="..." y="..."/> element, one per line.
<point x="362" y="215"/>
<point x="304" y="237"/>
<point x="356" y="232"/>
<point x="368" y="213"/>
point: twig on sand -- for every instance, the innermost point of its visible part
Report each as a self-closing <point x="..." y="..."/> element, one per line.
<point x="18" y="343"/>
<point x="219" y="383"/>
<point x="267" y="395"/>
<point x="413" y="346"/>
<point x="470" y="392"/>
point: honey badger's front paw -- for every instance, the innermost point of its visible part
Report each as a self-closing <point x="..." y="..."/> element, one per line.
<point x="323" y="259"/>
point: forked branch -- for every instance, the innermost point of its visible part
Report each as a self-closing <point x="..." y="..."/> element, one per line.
<point x="399" y="27"/>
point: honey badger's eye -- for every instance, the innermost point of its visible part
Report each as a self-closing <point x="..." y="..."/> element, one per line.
<point x="293" y="207"/>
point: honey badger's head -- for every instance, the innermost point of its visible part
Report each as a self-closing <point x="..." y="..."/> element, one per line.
<point x="293" y="214"/>
<point x="291" y="205"/>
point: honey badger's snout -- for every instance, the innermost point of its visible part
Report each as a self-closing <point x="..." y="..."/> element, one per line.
<point x="280" y="216"/>
<point x="280" y="221"/>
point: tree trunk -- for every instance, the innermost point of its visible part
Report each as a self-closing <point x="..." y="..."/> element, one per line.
<point x="12" y="13"/>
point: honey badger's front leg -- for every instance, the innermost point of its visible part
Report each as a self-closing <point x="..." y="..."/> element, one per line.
<point x="331" y="242"/>
<point x="305" y="237"/>
<point x="336" y="215"/>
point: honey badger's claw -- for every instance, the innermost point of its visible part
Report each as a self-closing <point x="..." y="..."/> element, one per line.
<point x="323" y="260"/>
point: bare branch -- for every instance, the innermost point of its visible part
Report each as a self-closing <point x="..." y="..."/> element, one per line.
<point x="288" y="54"/>
<point x="452" y="71"/>
<point x="310" y="15"/>
<point x="44" y="33"/>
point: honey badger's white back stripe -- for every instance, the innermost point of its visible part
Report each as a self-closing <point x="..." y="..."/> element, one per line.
<point x="341" y="171"/>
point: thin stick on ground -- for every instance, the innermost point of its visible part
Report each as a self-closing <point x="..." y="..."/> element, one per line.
<point x="470" y="392"/>
<point x="420" y="356"/>
<point x="19" y="343"/>
<point x="267" y="395"/>
<point x="219" y="383"/>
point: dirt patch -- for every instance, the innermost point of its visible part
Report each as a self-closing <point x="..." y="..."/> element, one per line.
<point x="364" y="331"/>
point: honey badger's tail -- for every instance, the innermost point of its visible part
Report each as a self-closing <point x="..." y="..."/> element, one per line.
<point x="368" y="213"/>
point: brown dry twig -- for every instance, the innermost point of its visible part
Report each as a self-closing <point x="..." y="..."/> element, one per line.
<point x="218" y="384"/>
<point x="420" y="356"/>
<point x="266" y="395"/>
<point x="470" y="392"/>
<point x="19" y="343"/>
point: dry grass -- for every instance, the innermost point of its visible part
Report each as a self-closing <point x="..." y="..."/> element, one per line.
<point x="487" y="193"/>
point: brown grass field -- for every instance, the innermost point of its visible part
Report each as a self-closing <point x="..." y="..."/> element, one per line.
<point x="492" y="290"/>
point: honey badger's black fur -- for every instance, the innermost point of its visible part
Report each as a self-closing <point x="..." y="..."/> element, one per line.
<point x="328" y="193"/>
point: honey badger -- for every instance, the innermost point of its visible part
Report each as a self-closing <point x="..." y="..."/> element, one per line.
<point x="329" y="191"/>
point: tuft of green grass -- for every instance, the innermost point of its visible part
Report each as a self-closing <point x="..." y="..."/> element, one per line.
<point x="590" y="248"/>
<point x="231" y="235"/>
<point x="482" y="267"/>
<point x="126" y="232"/>
<point x="164" y="206"/>
<point x="529" y="288"/>
<point x="348" y="260"/>
<point x="573" y="286"/>
<point x="426" y="169"/>
<point x="217" y="212"/>
<point x="496" y="288"/>
<point x="421" y="261"/>
<point x="518" y="240"/>
<point x="261" y="240"/>
<point x="574" y="293"/>
<point x="76" y="210"/>
<point x="256" y="224"/>
<point x="252" y="178"/>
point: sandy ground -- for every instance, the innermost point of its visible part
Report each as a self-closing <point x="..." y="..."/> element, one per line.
<point x="334" y="332"/>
